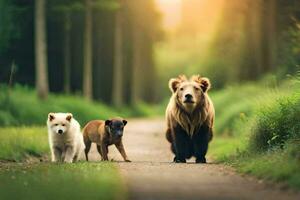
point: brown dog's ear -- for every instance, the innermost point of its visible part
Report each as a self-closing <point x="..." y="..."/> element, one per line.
<point x="51" y="116"/>
<point x="205" y="84"/>
<point x="107" y="122"/>
<point x="124" y="122"/>
<point x="69" y="117"/>
<point x="174" y="82"/>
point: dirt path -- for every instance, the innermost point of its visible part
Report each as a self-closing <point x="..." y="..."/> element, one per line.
<point x="151" y="175"/>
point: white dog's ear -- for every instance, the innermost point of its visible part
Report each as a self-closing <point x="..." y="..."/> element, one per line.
<point x="69" y="117"/>
<point x="51" y="116"/>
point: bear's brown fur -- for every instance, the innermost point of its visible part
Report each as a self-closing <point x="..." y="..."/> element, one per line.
<point x="190" y="118"/>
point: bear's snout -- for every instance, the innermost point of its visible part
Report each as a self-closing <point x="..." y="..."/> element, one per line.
<point x="188" y="98"/>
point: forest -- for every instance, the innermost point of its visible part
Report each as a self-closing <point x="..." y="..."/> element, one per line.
<point x="99" y="59"/>
<point x="118" y="52"/>
<point x="94" y="48"/>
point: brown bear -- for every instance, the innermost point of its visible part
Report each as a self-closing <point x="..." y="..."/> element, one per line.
<point x="190" y="118"/>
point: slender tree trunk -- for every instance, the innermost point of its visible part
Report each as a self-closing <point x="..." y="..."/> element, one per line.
<point x="136" y="64"/>
<point x="117" y="93"/>
<point x="254" y="39"/>
<point x="87" y="65"/>
<point x="67" y="53"/>
<point x="41" y="49"/>
<point x="271" y="43"/>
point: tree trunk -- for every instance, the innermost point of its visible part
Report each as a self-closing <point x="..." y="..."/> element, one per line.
<point x="41" y="50"/>
<point x="270" y="37"/>
<point x="87" y="63"/>
<point x="67" y="53"/>
<point x="136" y="64"/>
<point x="254" y="40"/>
<point x="117" y="93"/>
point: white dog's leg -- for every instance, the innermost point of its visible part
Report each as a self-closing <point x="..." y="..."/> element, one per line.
<point x="56" y="155"/>
<point x="69" y="154"/>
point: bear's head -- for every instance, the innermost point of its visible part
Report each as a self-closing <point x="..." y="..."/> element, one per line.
<point x="189" y="93"/>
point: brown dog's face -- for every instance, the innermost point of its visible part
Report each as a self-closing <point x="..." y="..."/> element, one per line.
<point x="189" y="92"/>
<point x="116" y="127"/>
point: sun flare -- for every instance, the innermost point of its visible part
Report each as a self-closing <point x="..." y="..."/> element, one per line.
<point x="171" y="11"/>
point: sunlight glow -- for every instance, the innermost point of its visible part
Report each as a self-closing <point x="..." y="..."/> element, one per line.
<point x="171" y="11"/>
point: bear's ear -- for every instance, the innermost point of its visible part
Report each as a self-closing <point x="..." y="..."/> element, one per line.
<point x="174" y="82"/>
<point x="124" y="122"/>
<point x="205" y="84"/>
<point x="51" y="116"/>
<point x="69" y="117"/>
<point x="107" y="122"/>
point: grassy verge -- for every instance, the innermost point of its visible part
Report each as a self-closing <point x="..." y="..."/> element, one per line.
<point x="51" y="181"/>
<point x="278" y="165"/>
<point x="258" y="130"/>
<point x="17" y="144"/>
<point x="20" y="106"/>
<point x="62" y="181"/>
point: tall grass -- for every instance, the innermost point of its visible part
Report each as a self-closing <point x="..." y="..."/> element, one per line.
<point x="20" y="106"/>
<point x="277" y="124"/>
<point x="16" y="144"/>
<point x="258" y="130"/>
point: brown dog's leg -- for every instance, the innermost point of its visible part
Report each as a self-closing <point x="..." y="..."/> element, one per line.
<point x="87" y="148"/>
<point x="104" y="151"/>
<point x="121" y="149"/>
<point x="99" y="150"/>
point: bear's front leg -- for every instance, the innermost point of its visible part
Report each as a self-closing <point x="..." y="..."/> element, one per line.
<point x="200" y="142"/>
<point x="180" y="144"/>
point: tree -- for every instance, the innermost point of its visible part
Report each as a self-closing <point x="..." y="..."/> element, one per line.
<point x="41" y="49"/>
<point x="136" y="64"/>
<point x="270" y="32"/>
<point x="117" y="95"/>
<point x="87" y="65"/>
<point x="67" y="52"/>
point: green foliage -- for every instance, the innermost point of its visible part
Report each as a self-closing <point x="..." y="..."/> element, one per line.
<point x="280" y="165"/>
<point x="17" y="144"/>
<point x="62" y="181"/>
<point x="8" y="29"/>
<point x="277" y="124"/>
<point x="263" y="128"/>
<point x="20" y="106"/>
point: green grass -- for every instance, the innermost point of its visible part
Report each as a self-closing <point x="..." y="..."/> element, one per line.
<point x="257" y="130"/>
<point x="20" y="106"/>
<point x="51" y="181"/>
<point x="222" y="149"/>
<point x="17" y="144"/>
<point x="277" y="165"/>
<point x="62" y="181"/>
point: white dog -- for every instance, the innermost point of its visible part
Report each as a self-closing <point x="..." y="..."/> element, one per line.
<point x="65" y="138"/>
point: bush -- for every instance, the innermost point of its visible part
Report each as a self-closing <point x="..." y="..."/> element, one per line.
<point x="277" y="124"/>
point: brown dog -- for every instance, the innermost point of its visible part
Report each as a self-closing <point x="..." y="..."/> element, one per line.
<point x="105" y="133"/>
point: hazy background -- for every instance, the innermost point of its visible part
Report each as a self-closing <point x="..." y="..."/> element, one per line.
<point x="122" y="52"/>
